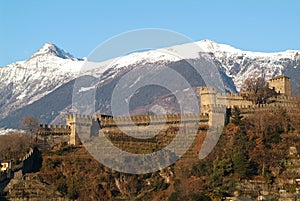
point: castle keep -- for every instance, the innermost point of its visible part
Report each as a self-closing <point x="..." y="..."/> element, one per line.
<point x="213" y="110"/>
<point x="281" y="84"/>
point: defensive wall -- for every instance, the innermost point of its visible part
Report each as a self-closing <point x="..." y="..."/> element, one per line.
<point x="87" y="126"/>
<point x="30" y="162"/>
<point x="162" y="128"/>
<point x="49" y="136"/>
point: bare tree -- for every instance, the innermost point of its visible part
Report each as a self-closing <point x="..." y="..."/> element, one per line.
<point x="31" y="125"/>
<point x="13" y="145"/>
<point x="257" y="90"/>
<point x="266" y="130"/>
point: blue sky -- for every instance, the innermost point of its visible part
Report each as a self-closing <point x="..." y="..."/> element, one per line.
<point x="80" y="26"/>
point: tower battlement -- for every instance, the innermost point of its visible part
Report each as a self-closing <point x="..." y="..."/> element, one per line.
<point x="208" y="90"/>
<point x="281" y="84"/>
<point x="46" y="129"/>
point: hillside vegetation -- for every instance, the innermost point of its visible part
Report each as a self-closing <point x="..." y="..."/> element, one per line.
<point x="252" y="151"/>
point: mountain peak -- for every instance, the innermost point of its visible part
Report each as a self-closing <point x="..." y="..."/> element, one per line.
<point x="212" y="46"/>
<point x="51" y="49"/>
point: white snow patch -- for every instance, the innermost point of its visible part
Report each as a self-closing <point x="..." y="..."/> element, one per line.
<point x="83" y="89"/>
<point x="8" y="131"/>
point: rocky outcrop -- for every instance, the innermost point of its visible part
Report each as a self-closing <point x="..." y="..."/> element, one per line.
<point x="30" y="187"/>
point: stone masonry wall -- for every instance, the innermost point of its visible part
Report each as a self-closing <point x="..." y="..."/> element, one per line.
<point x="52" y="135"/>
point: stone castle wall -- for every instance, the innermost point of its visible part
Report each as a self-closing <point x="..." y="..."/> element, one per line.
<point x="49" y="136"/>
<point x="109" y="123"/>
<point x="27" y="163"/>
<point x="162" y="128"/>
<point x="210" y="98"/>
<point x="87" y="126"/>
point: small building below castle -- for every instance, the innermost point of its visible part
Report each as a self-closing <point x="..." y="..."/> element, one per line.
<point x="5" y="166"/>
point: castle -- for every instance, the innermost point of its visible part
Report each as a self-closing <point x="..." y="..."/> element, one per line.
<point x="213" y="106"/>
<point x="210" y="98"/>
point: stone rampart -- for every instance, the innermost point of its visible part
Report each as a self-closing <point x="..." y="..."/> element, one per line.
<point x="140" y="120"/>
<point x="54" y="130"/>
<point x="164" y="128"/>
<point x="48" y="136"/>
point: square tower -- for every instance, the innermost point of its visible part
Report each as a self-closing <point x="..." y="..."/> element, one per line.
<point x="281" y="84"/>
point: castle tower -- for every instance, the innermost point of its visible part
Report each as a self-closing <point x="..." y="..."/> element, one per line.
<point x="207" y="98"/>
<point x="83" y="126"/>
<point x="71" y="121"/>
<point x="281" y="84"/>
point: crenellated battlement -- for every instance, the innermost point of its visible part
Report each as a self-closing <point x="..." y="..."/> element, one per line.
<point x="27" y="155"/>
<point x="55" y="127"/>
<point x="284" y="105"/>
<point x="208" y="90"/>
<point x="236" y="96"/>
<point x="291" y="109"/>
<point x="82" y="117"/>
<point x="286" y="99"/>
<point x="46" y="129"/>
<point x="107" y="121"/>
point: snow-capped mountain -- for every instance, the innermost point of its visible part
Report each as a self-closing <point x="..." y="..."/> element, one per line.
<point x="24" y="82"/>
<point x="42" y="85"/>
<point x="240" y="65"/>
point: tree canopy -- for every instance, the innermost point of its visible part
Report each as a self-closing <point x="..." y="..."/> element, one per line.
<point x="30" y="124"/>
<point x="13" y="145"/>
<point x="257" y="90"/>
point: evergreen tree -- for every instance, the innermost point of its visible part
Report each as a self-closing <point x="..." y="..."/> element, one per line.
<point x="222" y="167"/>
<point x="236" y="117"/>
<point x="240" y="147"/>
<point x="241" y="164"/>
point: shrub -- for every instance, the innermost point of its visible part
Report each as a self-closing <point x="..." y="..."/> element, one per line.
<point x="73" y="194"/>
<point x="62" y="188"/>
<point x="174" y="196"/>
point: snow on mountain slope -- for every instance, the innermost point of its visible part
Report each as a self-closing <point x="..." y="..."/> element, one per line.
<point x="24" y="82"/>
<point x="240" y="65"/>
<point x="236" y="63"/>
